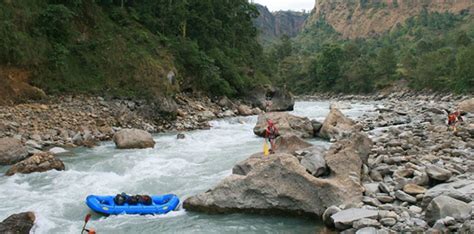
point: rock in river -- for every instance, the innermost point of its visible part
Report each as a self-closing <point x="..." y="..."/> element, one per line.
<point x="281" y="100"/>
<point x="39" y="162"/>
<point x="18" y="223"/>
<point x="280" y="184"/>
<point x="133" y="139"/>
<point x="270" y="99"/>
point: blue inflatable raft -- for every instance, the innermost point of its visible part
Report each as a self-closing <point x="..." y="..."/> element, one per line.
<point x="106" y="205"/>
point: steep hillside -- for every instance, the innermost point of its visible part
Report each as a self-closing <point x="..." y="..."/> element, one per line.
<point x="131" y="48"/>
<point x="362" y="18"/>
<point x="273" y="25"/>
<point x="365" y="46"/>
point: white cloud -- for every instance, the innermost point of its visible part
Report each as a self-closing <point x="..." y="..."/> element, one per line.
<point x="296" y="5"/>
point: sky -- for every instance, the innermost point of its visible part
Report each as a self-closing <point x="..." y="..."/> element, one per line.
<point x="296" y="5"/>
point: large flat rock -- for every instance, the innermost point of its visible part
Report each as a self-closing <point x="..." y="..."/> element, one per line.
<point x="279" y="184"/>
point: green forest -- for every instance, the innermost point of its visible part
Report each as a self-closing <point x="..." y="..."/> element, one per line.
<point x="127" y="47"/>
<point x="431" y="51"/>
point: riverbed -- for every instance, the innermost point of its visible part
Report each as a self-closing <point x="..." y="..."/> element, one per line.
<point x="183" y="167"/>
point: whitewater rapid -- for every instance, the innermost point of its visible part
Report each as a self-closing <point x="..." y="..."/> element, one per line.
<point x="182" y="167"/>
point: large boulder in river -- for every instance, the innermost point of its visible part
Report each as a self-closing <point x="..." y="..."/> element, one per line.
<point x="11" y="151"/>
<point x="270" y="99"/>
<point x="279" y="184"/>
<point x="336" y="125"/>
<point x="39" y="162"/>
<point x="444" y="206"/>
<point x="287" y="125"/>
<point x="467" y="106"/>
<point x="133" y="139"/>
<point x="281" y="100"/>
<point x="18" y="223"/>
<point x="257" y="97"/>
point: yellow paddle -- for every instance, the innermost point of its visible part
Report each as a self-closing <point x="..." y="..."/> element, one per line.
<point x="266" y="151"/>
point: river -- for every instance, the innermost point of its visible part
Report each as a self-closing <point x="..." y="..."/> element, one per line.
<point x="183" y="167"/>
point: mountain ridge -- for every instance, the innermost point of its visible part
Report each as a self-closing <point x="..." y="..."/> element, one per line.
<point x="365" y="18"/>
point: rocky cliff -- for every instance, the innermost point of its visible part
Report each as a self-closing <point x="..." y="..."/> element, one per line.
<point x="363" y="18"/>
<point x="273" y="25"/>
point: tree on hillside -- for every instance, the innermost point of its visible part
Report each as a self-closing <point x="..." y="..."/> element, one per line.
<point x="465" y="70"/>
<point x="326" y="68"/>
<point x="435" y="69"/>
<point x="386" y="64"/>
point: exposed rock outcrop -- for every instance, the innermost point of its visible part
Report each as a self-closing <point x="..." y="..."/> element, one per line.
<point x="11" y="151"/>
<point x="15" y="86"/>
<point x="287" y="125"/>
<point x="273" y="25"/>
<point x="359" y="19"/>
<point x="39" y="162"/>
<point x="133" y="139"/>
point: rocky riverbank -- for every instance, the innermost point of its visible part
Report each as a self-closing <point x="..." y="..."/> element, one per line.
<point x="76" y="121"/>
<point x="399" y="169"/>
<point x="28" y="130"/>
<point x="419" y="176"/>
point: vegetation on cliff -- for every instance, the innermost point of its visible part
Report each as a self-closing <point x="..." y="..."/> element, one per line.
<point x="133" y="47"/>
<point x="428" y="51"/>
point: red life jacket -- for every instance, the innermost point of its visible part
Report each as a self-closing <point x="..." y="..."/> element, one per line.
<point x="452" y="118"/>
<point x="271" y="132"/>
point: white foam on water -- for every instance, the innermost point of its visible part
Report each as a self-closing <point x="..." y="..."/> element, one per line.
<point x="318" y="110"/>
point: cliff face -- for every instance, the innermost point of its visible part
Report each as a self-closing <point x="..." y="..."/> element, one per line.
<point x="364" y="18"/>
<point x="273" y="25"/>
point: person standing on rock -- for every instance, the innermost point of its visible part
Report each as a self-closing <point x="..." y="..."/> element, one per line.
<point x="454" y="118"/>
<point x="271" y="133"/>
